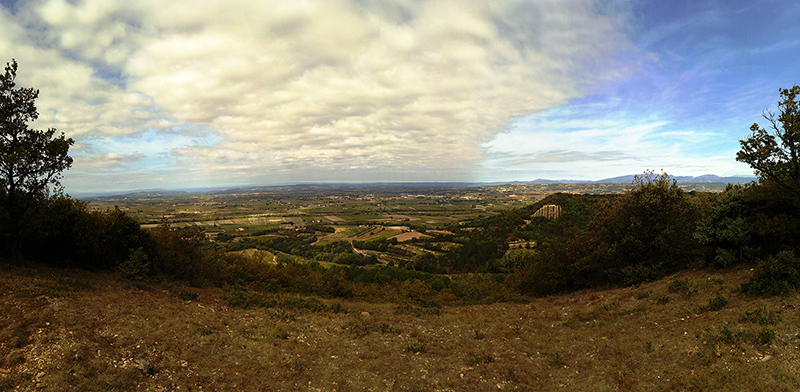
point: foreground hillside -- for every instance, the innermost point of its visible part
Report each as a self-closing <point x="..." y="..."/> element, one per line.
<point x="73" y="330"/>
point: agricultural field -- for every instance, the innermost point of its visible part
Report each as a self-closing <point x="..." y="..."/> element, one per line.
<point x="431" y="205"/>
<point x="329" y="204"/>
<point x="394" y="225"/>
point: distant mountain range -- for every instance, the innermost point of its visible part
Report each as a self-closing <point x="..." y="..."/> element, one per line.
<point x="706" y="178"/>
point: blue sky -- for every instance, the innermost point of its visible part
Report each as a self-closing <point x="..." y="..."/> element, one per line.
<point x="210" y="93"/>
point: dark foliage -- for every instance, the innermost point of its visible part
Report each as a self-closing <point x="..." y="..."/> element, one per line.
<point x="651" y="234"/>
<point x="314" y="228"/>
<point x="179" y="252"/>
<point x="387" y="275"/>
<point x="750" y="222"/>
<point x="380" y="244"/>
<point x="775" y="275"/>
<point x="730" y="230"/>
<point x="774" y="154"/>
<point x="562" y="259"/>
<point x="479" y="254"/>
<point x="354" y="259"/>
<point x="61" y="231"/>
<point x="31" y="160"/>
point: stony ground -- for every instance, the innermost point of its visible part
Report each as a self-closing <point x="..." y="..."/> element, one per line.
<point x="74" y="330"/>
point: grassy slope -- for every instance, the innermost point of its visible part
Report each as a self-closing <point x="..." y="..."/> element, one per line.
<point x="73" y="330"/>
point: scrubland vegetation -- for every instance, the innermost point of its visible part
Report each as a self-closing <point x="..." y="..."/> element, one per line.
<point x="66" y="329"/>
<point x="655" y="288"/>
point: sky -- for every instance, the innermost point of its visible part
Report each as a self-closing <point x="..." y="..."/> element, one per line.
<point x="201" y="93"/>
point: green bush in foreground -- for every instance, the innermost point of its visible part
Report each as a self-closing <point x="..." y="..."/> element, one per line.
<point x="777" y="275"/>
<point x="136" y="266"/>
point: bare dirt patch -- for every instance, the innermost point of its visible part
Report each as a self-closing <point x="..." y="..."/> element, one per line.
<point x="407" y="236"/>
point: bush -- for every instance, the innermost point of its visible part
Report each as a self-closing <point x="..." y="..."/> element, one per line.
<point x="682" y="286"/>
<point x="765" y="336"/>
<point x="650" y="235"/>
<point x="561" y="265"/>
<point x="761" y="316"/>
<point x="136" y="266"/>
<point x="188" y="295"/>
<point x="246" y="299"/>
<point x="730" y="228"/>
<point x="417" y="348"/>
<point x="477" y="288"/>
<point x="62" y="231"/>
<point x="717" y="303"/>
<point x="777" y="275"/>
<point x="180" y="252"/>
<point x="516" y="260"/>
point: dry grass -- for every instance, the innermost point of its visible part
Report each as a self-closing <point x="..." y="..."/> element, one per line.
<point x="73" y="330"/>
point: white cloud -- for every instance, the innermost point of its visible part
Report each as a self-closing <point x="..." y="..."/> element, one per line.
<point x="595" y="140"/>
<point x="392" y="89"/>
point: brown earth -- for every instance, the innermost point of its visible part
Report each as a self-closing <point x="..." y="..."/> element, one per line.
<point x="410" y="235"/>
<point x="75" y="330"/>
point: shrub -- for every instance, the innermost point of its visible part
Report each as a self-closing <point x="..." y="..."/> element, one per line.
<point x="682" y="286"/>
<point x="480" y="359"/>
<point x="417" y="348"/>
<point x="560" y="265"/>
<point x="651" y="234"/>
<point x="416" y="311"/>
<point x="777" y="275"/>
<point x="180" y="251"/>
<point x="187" y="295"/>
<point x="62" y="231"/>
<point x="727" y="336"/>
<point x="247" y="299"/>
<point x="765" y="336"/>
<point x="730" y="229"/>
<point x="516" y="260"/>
<point x="476" y="288"/>
<point x="136" y="266"/>
<point x="717" y="303"/>
<point x="761" y="316"/>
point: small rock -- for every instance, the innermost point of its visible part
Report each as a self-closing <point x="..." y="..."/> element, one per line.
<point x="145" y="366"/>
<point x="364" y="314"/>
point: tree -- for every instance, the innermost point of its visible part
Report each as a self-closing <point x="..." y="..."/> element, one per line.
<point x="651" y="233"/>
<point x="31" y="161"/>
<point x="775" y="154"/>
<point x="179" y="252"/>
<point x="730" y="228"/>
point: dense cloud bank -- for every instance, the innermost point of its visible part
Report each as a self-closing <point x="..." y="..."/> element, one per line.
<point x="271" y="91"/>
